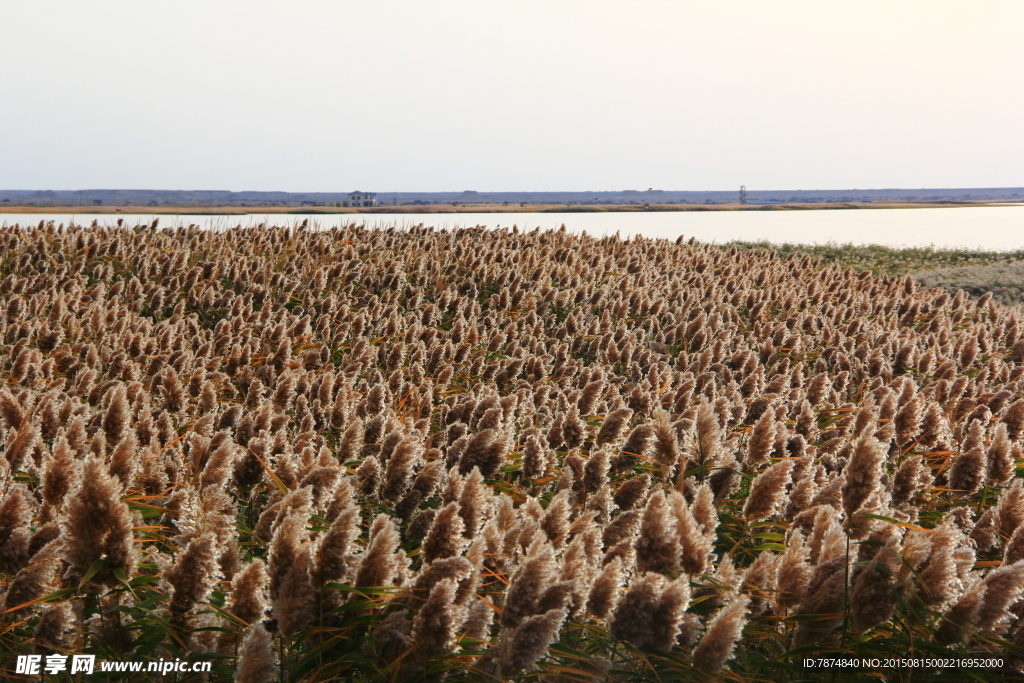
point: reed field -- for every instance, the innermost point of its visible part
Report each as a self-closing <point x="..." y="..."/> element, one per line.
<point x="493" y="455"/>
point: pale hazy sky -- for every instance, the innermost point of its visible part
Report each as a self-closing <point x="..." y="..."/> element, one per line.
<point x="439" y="96"/>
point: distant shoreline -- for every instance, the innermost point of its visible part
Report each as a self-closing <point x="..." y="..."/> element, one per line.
<point x="481" y="208"/>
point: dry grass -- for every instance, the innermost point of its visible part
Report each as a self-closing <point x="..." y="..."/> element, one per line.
<point x="385" y="455"/>
<point x="975" y="271"/>
<point x="1004" y="279"/>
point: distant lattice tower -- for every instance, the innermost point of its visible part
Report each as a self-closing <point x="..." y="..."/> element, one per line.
<point x="743" y="194"/>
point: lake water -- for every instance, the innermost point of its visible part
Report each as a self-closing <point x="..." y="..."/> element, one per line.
<point x="988" y="227"/>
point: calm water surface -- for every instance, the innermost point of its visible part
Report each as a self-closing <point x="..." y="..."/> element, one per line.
<point x="988" y="227"/>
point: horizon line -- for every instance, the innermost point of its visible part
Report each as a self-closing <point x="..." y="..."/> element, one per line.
<point x="584" y="191"/>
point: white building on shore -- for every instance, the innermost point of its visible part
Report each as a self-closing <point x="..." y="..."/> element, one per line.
<point x="362" y="198"/>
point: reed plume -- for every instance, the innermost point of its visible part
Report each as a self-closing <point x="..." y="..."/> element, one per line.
<point x="528" y="583"/>
<point x="379" y="566"/>
<point x="657" y="546"/>
<point x="794" y="572"/>
<point x="614" y="425"/>
<point x="911" y="476"/>
<point x="958" y="622"/>
<point x="399" y="469"/>
<point x="445" y="538"/>
<point x="824" y="599"/>
<point x="96" y="524"/>
<point x="1004" y="586"/>
<point x="767" y="491"/>
<point x="719" y="641"/>
<point x="295" y="603"/>
<point x="760" y="581"/>
<point x="57" y="629"/>
<point x="633" y="492"/>
<point x="650" y="612"/>
<point x="695" y="528"/>
<point x="521" y="648"/>
<point x="435" y="624"/>
<point x="257" y="661"/>
<point x="595" y="471"/>
<point x="31" y="582"/>
<point x="478" y="621"/>
<point x="194" y="572"/>
<point x="708" y="437"/>
<point x="761" y="441"/>
<point x="874" y="597"/>
<point x="605" y="589"/>
<point x="485" y="451"/>
<point x="248" y="593"/>
<point x="1000" y="461"/>
<point x="968" y="471"/>
<point x="862" y="473"/>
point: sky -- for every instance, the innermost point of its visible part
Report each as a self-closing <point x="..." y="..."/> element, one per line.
<point x="511" y="96"/>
